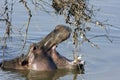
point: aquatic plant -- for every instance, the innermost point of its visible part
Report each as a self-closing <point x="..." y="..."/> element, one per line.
<point x="78" y="14"/>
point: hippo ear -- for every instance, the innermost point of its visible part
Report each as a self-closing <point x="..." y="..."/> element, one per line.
<point x="34" y="48"/>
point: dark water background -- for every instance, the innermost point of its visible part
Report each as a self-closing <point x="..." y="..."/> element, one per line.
<point x="101" y="64"/>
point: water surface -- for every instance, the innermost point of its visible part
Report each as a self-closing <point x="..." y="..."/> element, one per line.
<point x="101" y="64"/>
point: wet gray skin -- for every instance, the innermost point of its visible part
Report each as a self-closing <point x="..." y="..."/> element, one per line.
<point x="39" y="60"/>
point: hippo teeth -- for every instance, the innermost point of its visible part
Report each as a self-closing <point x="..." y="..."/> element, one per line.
<point x="78" y="60"/>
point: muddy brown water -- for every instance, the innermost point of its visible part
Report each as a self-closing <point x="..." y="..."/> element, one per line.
<point x="101" y="64"/>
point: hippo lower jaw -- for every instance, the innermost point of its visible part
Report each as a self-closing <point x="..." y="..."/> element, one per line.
<point x="64" y="63"/>
<point x="74" y="64"/>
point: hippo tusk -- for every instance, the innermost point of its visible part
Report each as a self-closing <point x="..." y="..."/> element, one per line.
<point x="78" y="59"/>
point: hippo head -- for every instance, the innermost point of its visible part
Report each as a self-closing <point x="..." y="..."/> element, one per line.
<point x="42" y="60"/>
<point x="43" y="55"/>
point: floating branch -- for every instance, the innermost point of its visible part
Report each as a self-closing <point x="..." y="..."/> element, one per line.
<point x="28" y="22"/>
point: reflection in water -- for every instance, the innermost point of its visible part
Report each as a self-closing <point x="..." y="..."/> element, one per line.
<point x="38" y="75"/>
<point x="52" y="75"/>
<point x="41" y="75"/>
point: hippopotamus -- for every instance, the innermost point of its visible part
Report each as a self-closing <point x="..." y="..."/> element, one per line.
<point x="42" y="56"/>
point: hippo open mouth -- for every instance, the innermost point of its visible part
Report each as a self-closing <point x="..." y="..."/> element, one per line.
<point x="42" y="56"/>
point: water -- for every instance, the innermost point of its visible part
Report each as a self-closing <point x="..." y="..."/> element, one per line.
<point x="101" y="64"/>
